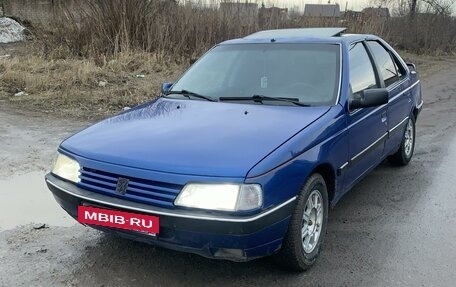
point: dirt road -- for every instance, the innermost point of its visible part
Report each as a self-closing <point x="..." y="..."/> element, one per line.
<point x="396" y="228"/>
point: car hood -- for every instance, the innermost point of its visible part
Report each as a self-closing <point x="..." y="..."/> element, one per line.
<point x="192" y="137"/>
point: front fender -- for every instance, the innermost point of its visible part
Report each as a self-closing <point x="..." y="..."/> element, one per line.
<point x="283" y="172"/>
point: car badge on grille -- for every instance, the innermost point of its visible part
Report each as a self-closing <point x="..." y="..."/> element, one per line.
<point x="122" y="185"/>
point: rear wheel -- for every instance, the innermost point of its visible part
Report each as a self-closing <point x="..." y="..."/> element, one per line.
<point x="302" y="243"/>
<point x="405" y="152"/>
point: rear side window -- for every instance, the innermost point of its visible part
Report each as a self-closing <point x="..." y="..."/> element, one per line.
<point x="388" y="68"/>
<point x="362" y="74"/>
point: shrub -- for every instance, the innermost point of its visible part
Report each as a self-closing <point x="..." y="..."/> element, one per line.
<point x="169" y="30"/>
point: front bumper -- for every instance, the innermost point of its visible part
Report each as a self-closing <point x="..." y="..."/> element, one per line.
<point x="210" y="235"/>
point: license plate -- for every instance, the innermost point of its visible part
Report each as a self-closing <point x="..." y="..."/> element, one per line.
<point x="118" y="219"/>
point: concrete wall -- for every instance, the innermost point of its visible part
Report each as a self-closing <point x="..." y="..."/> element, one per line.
<point x="36" y="11"/>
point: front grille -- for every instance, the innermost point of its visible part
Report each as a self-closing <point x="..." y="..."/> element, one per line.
<point x="139" y="190"/>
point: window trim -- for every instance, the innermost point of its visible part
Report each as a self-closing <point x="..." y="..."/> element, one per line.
<point x="398" y="60"/>
<point x="394" y="58"/>
<point x="404" y="76"/>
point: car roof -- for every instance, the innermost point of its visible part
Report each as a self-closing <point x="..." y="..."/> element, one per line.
<point x="301" y="35"/>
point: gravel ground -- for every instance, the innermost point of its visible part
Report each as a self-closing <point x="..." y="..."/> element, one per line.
<point x="396" y="228"/>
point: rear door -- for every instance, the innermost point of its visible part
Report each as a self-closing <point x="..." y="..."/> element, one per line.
<point x="367" y="127"/>
<point x="394" y="76"/>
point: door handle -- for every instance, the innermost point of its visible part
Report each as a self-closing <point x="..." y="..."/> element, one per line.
<point x="384" y="118"/>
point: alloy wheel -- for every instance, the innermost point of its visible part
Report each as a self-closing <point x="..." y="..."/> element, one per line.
<point x="312" y="221"/>
<point x="409" y="138"/>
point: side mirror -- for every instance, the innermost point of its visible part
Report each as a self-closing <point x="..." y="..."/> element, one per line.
<point x="369" y="98"/>
<point x="166" y="87"/>
<point x="412" y="68"/>
<point x="411" y="65"/>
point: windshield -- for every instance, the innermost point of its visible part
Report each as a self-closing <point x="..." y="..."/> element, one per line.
<point x="308" y="73"/>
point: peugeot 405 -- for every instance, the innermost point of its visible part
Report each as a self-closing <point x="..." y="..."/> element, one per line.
<point x="243" y="156"/>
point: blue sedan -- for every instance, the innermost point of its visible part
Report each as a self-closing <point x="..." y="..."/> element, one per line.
<point x="243" y="156"/>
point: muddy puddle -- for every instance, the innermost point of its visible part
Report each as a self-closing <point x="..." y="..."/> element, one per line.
<point x="25" y="199"/>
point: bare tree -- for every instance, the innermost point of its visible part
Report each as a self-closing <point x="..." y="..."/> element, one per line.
<point x="441" y="7"/>
<point x="411" y="7"/>
<point x="399" y="8"/>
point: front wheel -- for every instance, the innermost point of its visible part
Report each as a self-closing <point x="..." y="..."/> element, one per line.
<point x="405" y="152"/>
<point x="302" y="243"/>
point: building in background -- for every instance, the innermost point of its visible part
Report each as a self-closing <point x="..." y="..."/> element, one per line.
<point x="270" y="17"/>
<point x="36" y="11"/>
<point x="322" y="10"/>
<point x="239" y="9"/>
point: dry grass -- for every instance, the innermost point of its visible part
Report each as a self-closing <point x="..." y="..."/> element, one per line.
<point x="177" y="32"/>
<point x="70" y="87"/>
<point x="115" y="40"/>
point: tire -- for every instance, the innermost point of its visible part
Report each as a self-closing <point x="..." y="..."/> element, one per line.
<point x="293" y="254"/>
<point x="405" y="152"/>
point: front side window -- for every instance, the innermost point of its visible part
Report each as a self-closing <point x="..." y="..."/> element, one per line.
<point x="308" y="73"/>
<point x="362" y="74"/>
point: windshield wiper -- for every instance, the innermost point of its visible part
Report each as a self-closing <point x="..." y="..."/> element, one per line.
<point x="260" y="99"/>
<point x="189" y="94"/>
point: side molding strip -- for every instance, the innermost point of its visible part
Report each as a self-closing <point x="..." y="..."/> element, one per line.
<point x="371" y="147"/>
<point x="396" y="127"/>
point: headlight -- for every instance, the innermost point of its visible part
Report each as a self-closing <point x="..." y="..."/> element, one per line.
<point x="225" y="197"/>
<point x="66" y="168"/>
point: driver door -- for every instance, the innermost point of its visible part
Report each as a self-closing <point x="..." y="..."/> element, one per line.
<point x="367" y="127"/>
